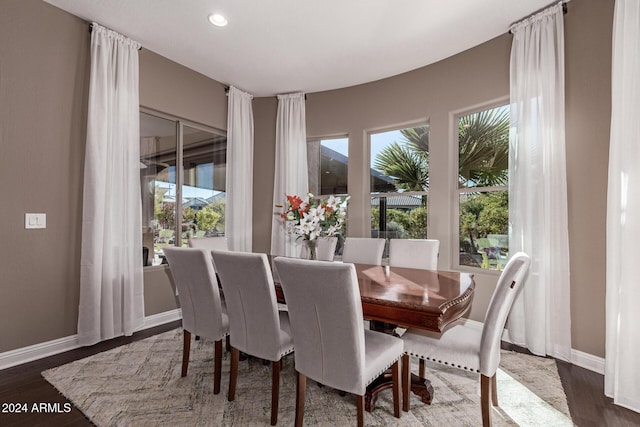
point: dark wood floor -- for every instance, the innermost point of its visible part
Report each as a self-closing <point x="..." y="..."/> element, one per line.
<point x="24" y="384"/>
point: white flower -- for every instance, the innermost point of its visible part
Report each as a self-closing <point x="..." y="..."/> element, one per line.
<point x="322" y="218"/>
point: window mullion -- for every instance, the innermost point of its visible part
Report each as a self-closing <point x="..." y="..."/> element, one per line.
<point x="179" y="181"/>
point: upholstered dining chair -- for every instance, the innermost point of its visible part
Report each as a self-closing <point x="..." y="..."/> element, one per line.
<point x="325" y="249"/>
<point x="208" y="243"/>
<point x="256" y="326"/>
<point x="414" y="253"/>
<point x="363" y="250"/>
<point x="203" y="313"/>
<point x="469" y="348"/>
<point x="332" y="345"/>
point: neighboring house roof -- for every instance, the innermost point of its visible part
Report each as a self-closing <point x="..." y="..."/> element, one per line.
<point x="220" y="196"/>
<point x="196" y="202"/>
<point x="407" y="202"/>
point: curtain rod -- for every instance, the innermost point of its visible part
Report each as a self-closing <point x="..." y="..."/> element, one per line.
<point x="564" y="12"/>
<point x="226" y="91"/>
<point x="91" y="30"/>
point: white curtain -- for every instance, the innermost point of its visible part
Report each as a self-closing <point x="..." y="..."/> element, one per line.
<point x="111" y="287"/>
<point x="541" y="318"/>
<point x="239" y="209"/>
<point x="291" y="167"/>
<point x="622" y="377"/>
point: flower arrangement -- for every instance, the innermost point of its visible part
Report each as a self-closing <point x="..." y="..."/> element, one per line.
<point x="311" y="218"/>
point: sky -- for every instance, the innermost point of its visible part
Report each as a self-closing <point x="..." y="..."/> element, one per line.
<point x="378" y="142"/>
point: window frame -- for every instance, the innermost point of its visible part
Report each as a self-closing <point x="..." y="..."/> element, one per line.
<point x="179" y="123"/>
<point x="319" y="139"/>
<point x="458" y="191"/>
<point x="367" y="164"/>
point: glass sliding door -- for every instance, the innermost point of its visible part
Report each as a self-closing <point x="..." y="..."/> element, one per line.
<point x="158" y="147"/>
<point x="179" y="202"/>
<point x="203" y="187"/>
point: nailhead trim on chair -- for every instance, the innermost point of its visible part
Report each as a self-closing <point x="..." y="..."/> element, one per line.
<point x="419" y="356"/>
<point x="290" y="350"/>
<point x="382" y="371"/>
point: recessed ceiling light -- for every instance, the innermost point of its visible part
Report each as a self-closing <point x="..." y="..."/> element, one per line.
<point x="218" y="20"/>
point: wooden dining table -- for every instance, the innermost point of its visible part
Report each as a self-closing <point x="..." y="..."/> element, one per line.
<point x="409" y="298"/>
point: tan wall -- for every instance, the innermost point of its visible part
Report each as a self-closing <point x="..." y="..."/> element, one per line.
<point x="170" y="88"/>
<point x="264" y="160"/>
<point x="173" y="89"/>
<point x="433" y="94"/>
<point x="588" y="29"/>
<point x="474" y="77"/>
<point x="44" y="75"/>
<point x="44" y="66"/>
<point x="43" y="88"/>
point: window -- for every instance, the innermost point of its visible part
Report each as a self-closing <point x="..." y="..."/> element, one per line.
<point x="483" y="179"/>
<point x="399" y="176"/>
<point x="177" y="206"/>
<point x="328" y="163"/>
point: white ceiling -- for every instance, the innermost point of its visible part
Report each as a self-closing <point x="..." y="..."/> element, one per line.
<point x="283" y="46"/>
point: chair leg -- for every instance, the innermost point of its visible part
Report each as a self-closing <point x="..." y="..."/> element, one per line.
<point x="275" y="391"/>
<point x="228" y="343"/>
<point x="406" y="381"/>
<point x="301" y="388"/>
<point x="494" y="390"/>
<point x="360" y="405"/>
<point x="395" y="375"/>
<point x="421" y="368"/>
<point x="186" y="348"/>
<point x="233" y="373"/>
<point x="485" y="395"/>
<point x="217" y="367"/>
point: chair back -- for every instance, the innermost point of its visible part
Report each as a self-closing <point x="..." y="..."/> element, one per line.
<point x="249" y="292"/>
<point x="325" y="249"/>
<point x="326" y="318"/>
<point x="414" y="253"/>
<point x="198" y="292"/>
<point x="208" y="243"/>
<point x="511" y="281"/>
<point x="363" y="250"/>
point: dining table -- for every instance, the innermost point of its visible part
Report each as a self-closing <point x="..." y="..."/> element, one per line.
<point x="409" y="298"/>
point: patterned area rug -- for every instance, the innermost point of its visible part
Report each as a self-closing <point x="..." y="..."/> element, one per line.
<point x="140" y="385"/>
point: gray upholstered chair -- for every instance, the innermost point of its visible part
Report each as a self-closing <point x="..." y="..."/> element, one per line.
<point x="208" y="243"/>
<point x="468" y="348"/>
<point x="414" y="253"/>
<point x="332" y="345"/>
<point x="203" y="313"/>
<point x="325" y="249"/>
<point x="363" y="250"/>
<point x="257" y="327"/>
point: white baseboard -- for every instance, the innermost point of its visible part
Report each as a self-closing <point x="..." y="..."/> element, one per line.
<point x="161" y="318"/>
<point x="60" y="345"/>
<point x="587" y="361"/>
<point x="37" y="351"/>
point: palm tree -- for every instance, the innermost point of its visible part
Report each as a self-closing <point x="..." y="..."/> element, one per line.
<point x="483" y="145"/>
<point x="407" y="162"/>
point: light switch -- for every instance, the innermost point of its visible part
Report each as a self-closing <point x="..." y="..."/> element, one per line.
<point x="35" y="220"/>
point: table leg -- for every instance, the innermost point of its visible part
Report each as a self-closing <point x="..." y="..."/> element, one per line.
<point x="419" y="386"/>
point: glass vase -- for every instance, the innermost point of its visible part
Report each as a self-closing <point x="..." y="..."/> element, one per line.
<point x="311" y="248"/>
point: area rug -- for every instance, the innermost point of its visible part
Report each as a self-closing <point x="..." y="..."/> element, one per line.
<point x="140" y="385"/>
